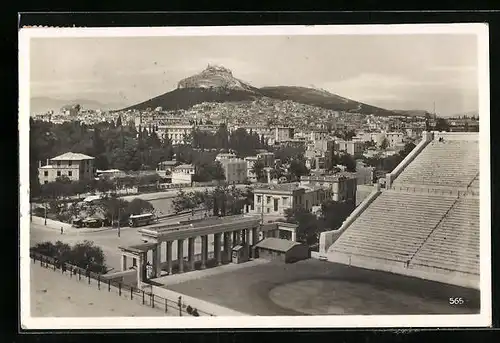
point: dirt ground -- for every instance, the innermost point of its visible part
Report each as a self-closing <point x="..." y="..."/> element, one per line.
<point x="56" y="295"/>
<point x="316" y="287"/>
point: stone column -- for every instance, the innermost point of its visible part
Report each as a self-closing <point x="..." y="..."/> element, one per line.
<point x="255" y="235"/>
<point x="140" y="268"/>
<point x="169" y="257"/>
<point x="191" y="252"/>
<point x="204" y="251"/>
<point x="157" y="260"/>
<point x="180" y="254"/>
<point x="227" y="246"/>
<point x="247" y="237"/>
<point x="294" y="236"/>
<point x="235" y="238"/>
<point x="217" y="252"/>
<point x="124" y="262"/>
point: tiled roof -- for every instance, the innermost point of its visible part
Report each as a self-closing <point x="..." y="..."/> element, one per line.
<point x="72" y="156"/>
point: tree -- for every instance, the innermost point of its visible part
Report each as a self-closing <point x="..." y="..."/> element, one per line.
<point x="298" y="168"/>
<point x="348" y="161"/>
<point x="183" y="201"/>
<point x="384" y="144"/>
<point x="84" y="255"/>
<point x="406" y="150"/>
<point x="258" y="170"/>
<point x="442" y="125"/>
<point x="334" y="213"/>
<point x="308" y="228"/>
<point x="139" y="206"/>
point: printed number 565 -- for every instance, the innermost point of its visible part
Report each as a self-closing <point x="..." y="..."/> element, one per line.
<point x="456" y="301"/>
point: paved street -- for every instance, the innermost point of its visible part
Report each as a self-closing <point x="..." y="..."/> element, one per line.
<point x="108" y="239"/>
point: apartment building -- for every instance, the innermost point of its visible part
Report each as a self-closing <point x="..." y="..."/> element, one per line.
<point x="74" y="166"/>
<point x="353" y="148"/>
<point x="342" y="186"/>
<point x="183" y="173"/>
<point x="235" y="170"/>
<point x="283" y="133"/>
<point x="176" y="133"/>
<point x="274" y="199"/>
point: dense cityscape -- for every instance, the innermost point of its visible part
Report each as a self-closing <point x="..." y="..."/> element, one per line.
<point x="251" y="178"/>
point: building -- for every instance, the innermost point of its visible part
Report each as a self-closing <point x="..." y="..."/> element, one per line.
<point x="283" y="133"/>
<point x="274" y="199"/>
<point x="342" y="186"/>
<point x="177" y="134"/>
<point x="283" y="250"/>
<point x="353" y="148"/>
<point x="395" y="139"/>
<point x="267" y="158"/>
<point x="183" y="173"/>
<point x="235" y="170"/>
<point x="318" y="135"/>
<point x="166" y="167"/>
<point x="74" y="166"/>
<point x="364" y="174"/>
<point x="110" y="173"/>
<point x="225" y="156"/>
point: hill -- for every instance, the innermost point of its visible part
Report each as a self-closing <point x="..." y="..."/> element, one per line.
<point x="413" y="113"/>
<point x="321" y="98"/>
<point x="45" y="104"/>
<point x="217" y="84"/>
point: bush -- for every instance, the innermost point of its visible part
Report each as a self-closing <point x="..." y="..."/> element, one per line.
<point x="189" y="309"/>
<point x="83" y="255"/>
<point x="195" y="313"/>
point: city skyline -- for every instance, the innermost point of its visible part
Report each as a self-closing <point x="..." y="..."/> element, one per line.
<point x="390" y="71"/>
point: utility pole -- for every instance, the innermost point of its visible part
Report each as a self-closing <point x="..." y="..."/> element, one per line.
<point x="118" y="200"/>
<point x="45" y="221"/>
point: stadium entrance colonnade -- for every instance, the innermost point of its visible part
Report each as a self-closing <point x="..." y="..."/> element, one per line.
<point x="228" y="232"/>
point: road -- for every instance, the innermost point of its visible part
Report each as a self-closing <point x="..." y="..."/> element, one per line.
<point x="108" y="239"/>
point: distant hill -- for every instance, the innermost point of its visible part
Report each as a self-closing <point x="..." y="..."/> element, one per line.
<point x="45" y="104"/>
<point x="217" y="84"/>
<point x="468" y="114"/>
<point x="321" y="98"/>
<point x="413" y="113"/>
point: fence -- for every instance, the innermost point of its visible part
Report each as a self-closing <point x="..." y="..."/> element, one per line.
<point x="131" y="292"/>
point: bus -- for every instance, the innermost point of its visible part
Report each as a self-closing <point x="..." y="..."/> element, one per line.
<point x="141" y="219"/>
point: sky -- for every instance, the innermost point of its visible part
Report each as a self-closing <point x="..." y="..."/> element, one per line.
<point x="390" y="71"/>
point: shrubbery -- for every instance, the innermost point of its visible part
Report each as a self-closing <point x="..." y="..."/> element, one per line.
<point x="83" y="255"/>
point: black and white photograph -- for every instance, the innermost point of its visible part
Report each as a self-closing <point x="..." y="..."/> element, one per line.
<point x="255" y="177"/>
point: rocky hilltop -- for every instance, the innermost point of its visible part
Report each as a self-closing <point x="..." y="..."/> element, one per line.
<point x="215" y="77"/>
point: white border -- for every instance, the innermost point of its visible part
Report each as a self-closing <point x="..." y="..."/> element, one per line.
<point x="480" y="320"/>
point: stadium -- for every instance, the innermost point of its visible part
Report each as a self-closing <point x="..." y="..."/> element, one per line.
<point x="408" y="248"/>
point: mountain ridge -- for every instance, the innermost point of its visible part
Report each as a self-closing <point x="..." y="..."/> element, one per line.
<point x="218" y="84"/>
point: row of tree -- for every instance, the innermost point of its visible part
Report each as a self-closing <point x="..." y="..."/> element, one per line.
<point x="222" y="201"/>
<point x="64" y="187"/>
<point x="84" y="255"/>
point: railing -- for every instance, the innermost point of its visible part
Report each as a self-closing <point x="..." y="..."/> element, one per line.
<point x="131" y="292"/>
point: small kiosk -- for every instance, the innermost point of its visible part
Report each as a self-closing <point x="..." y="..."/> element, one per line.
<point x="240" y="253"/>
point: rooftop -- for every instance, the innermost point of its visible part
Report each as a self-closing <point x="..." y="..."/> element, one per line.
<point x="185" y="166"/>
<point x="276" y="244"/>
<point x="282" y="187"/>
<point x="72" y="156"/>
